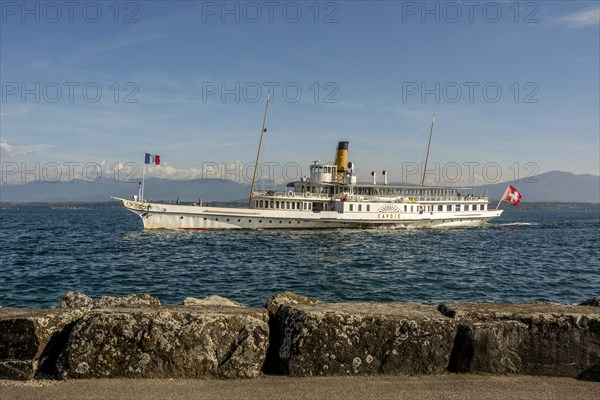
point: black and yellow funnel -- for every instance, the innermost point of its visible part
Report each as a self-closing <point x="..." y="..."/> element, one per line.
<point x="341" y="159"/>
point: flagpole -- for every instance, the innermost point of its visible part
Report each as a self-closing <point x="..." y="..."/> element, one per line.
<point x="143" y="177"/>
<point x="428" y="146"/>
<point x="262" y="132"/>
<point x="499" y="204"/>
<point x="502" y="197"/>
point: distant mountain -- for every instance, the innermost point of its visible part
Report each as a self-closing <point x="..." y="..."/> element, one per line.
<point x="156" y="189"/>
<point x="552" y="186"/>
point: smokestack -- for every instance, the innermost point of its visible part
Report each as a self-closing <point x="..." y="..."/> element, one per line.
<point x="374" y="175"/>
<point x="341" y="158"/>
<point x="384" y="177"/>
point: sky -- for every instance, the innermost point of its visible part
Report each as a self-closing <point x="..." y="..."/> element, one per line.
<point x="88" y="87"/>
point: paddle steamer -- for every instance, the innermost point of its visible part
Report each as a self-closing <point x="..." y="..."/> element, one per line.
<point x="329" y="197"/>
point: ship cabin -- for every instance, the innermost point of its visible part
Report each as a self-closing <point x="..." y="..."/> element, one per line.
<point x="327" y="190"/>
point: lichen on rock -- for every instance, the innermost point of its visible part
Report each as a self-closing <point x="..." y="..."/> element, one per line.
<point x="167" y="342"/>
<point x="363" y="338"/>
<point x="211" y="301"/>
<point x="80" y="300"/>
<point x="30" y="340"/>
<point x="535" y="338"/>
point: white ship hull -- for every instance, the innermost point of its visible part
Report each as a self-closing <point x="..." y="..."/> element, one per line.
<point x="188" y="217"/>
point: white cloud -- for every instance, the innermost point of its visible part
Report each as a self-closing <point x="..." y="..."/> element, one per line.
<point x="236" y="171"/>
<point x="118" y="41"/>
<point x="10" y="110"/>
<point x="579" y="19"/>
<point x="6" y="150"/>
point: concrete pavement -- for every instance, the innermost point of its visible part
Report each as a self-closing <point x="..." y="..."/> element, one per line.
<point x="446" y="386"/>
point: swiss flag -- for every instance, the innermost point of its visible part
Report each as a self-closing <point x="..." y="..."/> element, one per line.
<point x="512" y="195"/>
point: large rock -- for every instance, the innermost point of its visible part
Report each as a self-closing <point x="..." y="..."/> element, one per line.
<point x="80" y="300"/>
<point x="288" y="298"/>
<point x="167" y="342"/>
<point x="273" y="364"/>
<point x="31" y="339"/>
<point x="594" y="302"/>
<point x="211" y="301"/>
<point x="363" y="338"/>
<point x="536" y="338"/>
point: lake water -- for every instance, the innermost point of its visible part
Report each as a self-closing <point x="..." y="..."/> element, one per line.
<point x="520" y="257"/>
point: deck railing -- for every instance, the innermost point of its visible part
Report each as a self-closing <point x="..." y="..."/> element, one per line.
<point x="387" y="199"/>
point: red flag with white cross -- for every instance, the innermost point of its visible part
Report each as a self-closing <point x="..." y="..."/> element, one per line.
<point x="512" y="195"/>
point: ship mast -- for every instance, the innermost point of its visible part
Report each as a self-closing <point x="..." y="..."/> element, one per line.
<point x="262" y="132"/>
<point x="427" y="156"/>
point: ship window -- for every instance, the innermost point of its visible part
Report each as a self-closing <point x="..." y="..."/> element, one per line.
<point x="287" y="205"/>
<point x="481" y="207"/>
<point x="298" y="206"/>
<point x="293" y="205"/>
<point x="351" y="207"/>
<point x="466" y="207"/>
<point x="310" y="206"/>
<point x="360" y="207"/>
<point x="458" y="207"/>
<point x="271" y="203"/>
<point x="276" y="204"/>
<point x="368" y="207"/>
<point x="405" y="208"/>
<point x="412" y="208"/>
<point x="449" y="207"/>
<point x="440" y="208"/>
<point x="260" y="204"/>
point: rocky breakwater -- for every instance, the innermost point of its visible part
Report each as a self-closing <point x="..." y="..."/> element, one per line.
<point x="135" y="337"/>
<point x="317" y="338"/>
<point x="534" y="339"/>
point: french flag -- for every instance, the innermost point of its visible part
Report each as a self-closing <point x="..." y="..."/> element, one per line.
<point x="151" y="159"/>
